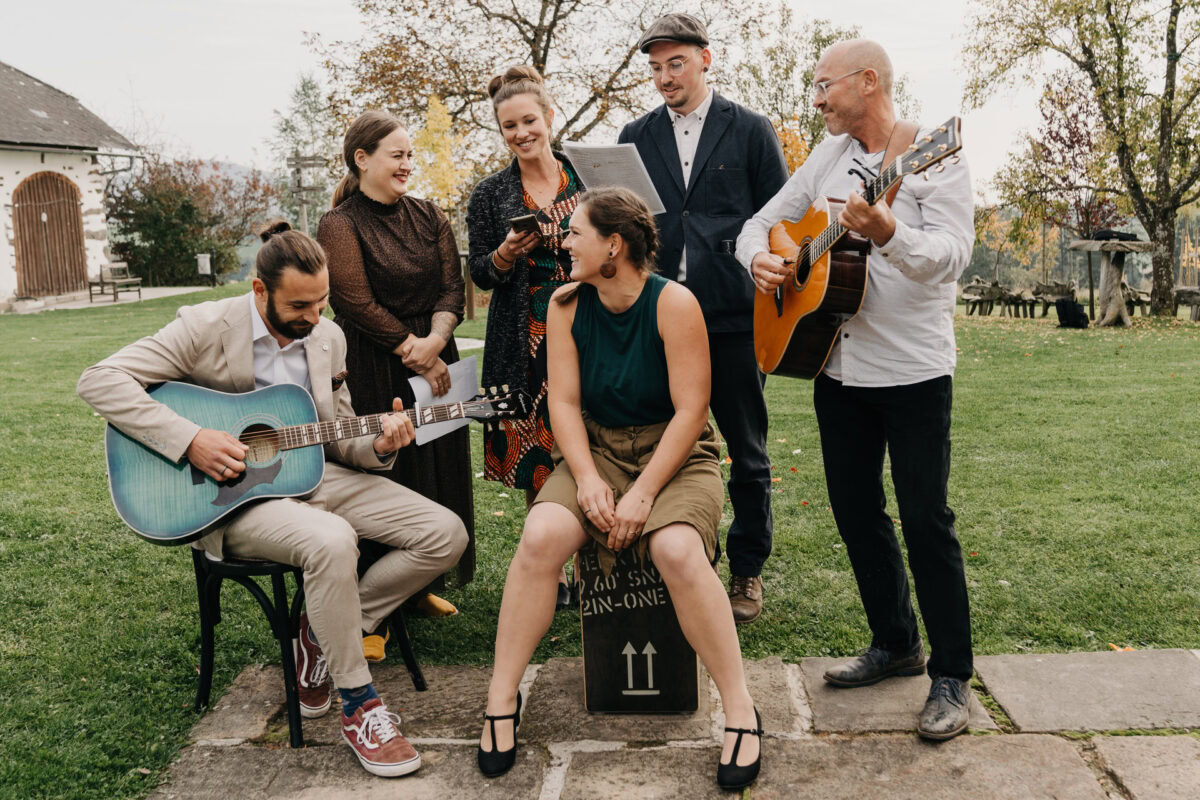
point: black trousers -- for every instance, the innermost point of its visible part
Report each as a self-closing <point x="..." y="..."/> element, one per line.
<point x="741" y="413"/>
<point x="913" y="424"/>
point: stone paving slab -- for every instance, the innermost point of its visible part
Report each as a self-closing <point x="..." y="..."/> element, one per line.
<point x="556" y="713"/>
<point x="900" y="767"/>
<point x="253" y="699"/>
<point x="1096" y="691"/>
<point x="333" y="773"/>
<point x="890" y="705"/>
<point x="654" y="774"/>
<point x="1154" y="767"/>
<point x="451" y="708"/>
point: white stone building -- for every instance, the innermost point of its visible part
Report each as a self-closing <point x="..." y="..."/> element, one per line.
<point x="52" y="224"/>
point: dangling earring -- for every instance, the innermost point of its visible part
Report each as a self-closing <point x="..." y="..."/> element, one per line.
<point x="608" y="268"/>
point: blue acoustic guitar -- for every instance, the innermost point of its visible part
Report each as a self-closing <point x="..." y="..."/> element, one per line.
<point x="170" y="502"/>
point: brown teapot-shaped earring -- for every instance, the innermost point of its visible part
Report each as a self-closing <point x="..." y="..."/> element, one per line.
<point x="608" y="268"/>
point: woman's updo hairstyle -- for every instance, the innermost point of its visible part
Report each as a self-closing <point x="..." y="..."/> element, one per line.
<point x="283" y="248"/>
<point x="521" y="79"/>
<point x="613" y="209"/>
<point x="365" y="134"/>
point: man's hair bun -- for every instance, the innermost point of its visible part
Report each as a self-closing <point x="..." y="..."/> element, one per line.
<point x="272" y="228"/>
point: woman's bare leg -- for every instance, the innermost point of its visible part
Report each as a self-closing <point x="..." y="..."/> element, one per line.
<point x="530" y="496"/>
<point x="707" y="621"/>
<point x="550" y="536"/>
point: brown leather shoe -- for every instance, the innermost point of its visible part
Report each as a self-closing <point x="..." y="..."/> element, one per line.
<point x="745" y="597"/>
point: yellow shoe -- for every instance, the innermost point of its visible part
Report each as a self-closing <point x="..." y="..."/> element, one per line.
<point x="373" y="643"/>
<point x="433" y="606"/>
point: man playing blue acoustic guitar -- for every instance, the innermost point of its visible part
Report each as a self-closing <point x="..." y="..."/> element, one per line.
<point x="276" y="335"/>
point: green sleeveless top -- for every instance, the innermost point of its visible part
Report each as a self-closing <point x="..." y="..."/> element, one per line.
<point x="622" y="363"/>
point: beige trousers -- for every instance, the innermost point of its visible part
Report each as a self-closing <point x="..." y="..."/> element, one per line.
<point x="320" y="534"/>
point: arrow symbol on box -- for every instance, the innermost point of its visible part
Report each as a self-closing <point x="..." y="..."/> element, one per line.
<point x="629" y="652"/>
<point x="649" y="652"/>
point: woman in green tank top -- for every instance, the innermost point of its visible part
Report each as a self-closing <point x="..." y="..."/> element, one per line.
<point x="635" y="466"/>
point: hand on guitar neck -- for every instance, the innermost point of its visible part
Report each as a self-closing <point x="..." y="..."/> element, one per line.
<point x="222" y="457"/>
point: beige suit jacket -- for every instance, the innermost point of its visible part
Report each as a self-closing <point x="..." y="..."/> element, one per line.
<point x="210" y="345"/>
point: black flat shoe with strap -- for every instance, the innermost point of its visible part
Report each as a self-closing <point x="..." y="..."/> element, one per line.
<point x="496" y="762"/>
<point x="731" y="776"/>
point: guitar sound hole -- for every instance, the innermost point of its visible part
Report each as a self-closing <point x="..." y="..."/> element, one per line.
<point x="262" y="441"/>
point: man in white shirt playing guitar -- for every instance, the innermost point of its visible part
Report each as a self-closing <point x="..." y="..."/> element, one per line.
<point x="887" y="384"/>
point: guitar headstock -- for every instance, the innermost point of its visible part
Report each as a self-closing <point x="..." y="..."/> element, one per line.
<point x="943" y="142"/>
<point x="499" y="403"/>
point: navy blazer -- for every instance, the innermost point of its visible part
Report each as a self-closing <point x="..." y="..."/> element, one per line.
<point x="739" y="166"/>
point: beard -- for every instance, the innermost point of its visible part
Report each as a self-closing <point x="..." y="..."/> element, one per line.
<point x="296" y="329"/>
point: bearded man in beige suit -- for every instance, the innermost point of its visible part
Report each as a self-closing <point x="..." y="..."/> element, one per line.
<point x="274" y="335"/>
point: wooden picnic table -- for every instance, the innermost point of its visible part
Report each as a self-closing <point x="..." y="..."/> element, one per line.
<point x="1113" y="310"/>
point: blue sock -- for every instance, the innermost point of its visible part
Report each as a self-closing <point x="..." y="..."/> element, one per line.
<point x="353" y="698"/>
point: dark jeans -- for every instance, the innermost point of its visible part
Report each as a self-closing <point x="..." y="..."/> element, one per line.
<point x="741" y="413"/>
<point x="913" y="423"/>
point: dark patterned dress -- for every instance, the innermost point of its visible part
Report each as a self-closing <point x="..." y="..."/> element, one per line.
<point x="517" y="452"/>
<point x="391" y="268"/>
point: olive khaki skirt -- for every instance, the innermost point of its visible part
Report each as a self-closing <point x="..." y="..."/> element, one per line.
<point x="693" y="497"/>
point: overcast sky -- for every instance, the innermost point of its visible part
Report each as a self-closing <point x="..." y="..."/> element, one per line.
<point x="203" y="76"/>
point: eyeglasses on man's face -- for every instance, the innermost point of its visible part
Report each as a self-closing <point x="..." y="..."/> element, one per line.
<point x="822" y="87"/>
<point x="673" y="67"/>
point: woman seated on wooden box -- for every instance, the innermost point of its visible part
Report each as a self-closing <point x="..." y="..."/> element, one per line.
<point x="636" y="466"/>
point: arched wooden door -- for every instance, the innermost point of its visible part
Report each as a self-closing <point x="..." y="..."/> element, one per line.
<point x="48" y="222"/>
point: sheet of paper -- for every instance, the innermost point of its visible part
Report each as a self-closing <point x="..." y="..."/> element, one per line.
<point x="614" y="165"/>
<point x="464" y="383"/>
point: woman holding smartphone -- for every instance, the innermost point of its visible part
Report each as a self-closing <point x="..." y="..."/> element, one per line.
<point x="522" y="261"/>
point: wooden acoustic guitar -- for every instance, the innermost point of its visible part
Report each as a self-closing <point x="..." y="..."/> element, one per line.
<point x="169" y="502"/>
<point x="796" y="327"/>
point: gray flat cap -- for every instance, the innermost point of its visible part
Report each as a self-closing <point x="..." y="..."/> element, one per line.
<point x="674" y="27"/>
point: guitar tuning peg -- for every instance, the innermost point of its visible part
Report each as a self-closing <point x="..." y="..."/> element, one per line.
<point x="925" y="175"/>
<point x="940" y="168"/>
<point x="504" y="388"/>
<point x="492" y="391"/>
<point x="954" y="159"/>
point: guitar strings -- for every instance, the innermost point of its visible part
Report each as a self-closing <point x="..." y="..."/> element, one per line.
<point x="276" y="434"/>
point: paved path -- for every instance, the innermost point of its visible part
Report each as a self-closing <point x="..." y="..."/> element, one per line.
<point x="1086" y="726"/>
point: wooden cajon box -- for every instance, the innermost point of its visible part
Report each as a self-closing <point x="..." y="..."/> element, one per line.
<point x="635" y="657"/>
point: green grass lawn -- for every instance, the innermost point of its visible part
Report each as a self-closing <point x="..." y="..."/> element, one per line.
<point x="1075" y="456"/>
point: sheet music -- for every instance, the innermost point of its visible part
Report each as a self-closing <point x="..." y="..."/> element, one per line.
<point x="614" y="165"/>
<point x="464" y="381"/>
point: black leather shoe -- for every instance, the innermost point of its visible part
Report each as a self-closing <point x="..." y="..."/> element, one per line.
<point x="730" y="776"/>
<point x="495" y="762"/>
<point x="875" y="665"/>
<point x="564" y="597"/>
<point x="946" y="712"/>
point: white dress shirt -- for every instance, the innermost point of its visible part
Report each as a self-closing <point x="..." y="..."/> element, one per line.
<point x="688" y="128"/>
<point x="904" y="332"/>
<point x="274" y="364"/>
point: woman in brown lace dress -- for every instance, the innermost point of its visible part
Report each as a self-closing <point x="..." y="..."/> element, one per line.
<point x="397" y="291"/>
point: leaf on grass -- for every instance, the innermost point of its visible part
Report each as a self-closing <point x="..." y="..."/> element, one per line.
<point x="781" y="441"/>
<point x="497" y="513"/>
<point x="143" y="771"/>
<point x="796" y="452"/>
<point x="776" y="480"/>
<point x="793" y="469"/>
<point x="728" y="460"/>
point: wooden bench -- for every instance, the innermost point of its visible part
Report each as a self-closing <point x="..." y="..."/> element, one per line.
<point x="114" y="277"/>
<point x="1049" y="293"/>
<point x="1187" y="296"/>
<point x="981" y="296"/>
<point x="1135" y="297"/>
<point x="1020" y="303"/>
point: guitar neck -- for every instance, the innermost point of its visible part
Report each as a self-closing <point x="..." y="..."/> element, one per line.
<point x="871" y="193"/>
<point x="325" y="432"/>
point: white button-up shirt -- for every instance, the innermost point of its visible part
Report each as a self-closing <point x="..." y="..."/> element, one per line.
<point x="904" y="332"/>
<point x="688" y="128"/>
<point x="274" y="364"/>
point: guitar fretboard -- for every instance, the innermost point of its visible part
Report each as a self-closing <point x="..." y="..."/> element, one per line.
<point x="873" y="191"/>
<point x="350" y="427"/>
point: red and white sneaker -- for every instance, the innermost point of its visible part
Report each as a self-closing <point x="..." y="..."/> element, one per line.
<point x="312" y="673"/>
<point x="373" y="736"/>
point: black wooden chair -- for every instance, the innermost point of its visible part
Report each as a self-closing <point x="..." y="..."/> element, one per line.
<point x="283" y="617"/>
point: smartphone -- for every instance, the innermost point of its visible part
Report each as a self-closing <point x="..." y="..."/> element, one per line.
<point x="525" y="224"/>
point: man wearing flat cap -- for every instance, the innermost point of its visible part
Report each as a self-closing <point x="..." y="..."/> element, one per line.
<point x="714" y="164"/>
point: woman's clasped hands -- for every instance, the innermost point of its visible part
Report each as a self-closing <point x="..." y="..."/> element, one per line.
<point x="623" y="521"/>
<point x="421" y="355"/>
